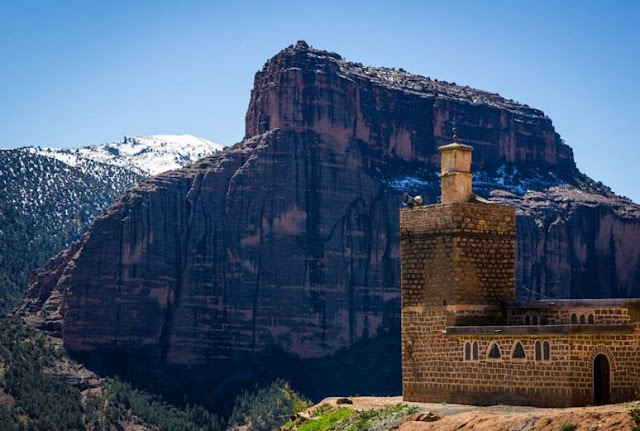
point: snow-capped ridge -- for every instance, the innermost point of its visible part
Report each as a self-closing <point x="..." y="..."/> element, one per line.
<point x="145" y="155"/>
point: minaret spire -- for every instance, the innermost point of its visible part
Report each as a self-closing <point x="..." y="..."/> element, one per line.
<point x="455" y="172"/>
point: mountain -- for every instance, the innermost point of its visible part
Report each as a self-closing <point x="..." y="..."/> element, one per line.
<point x="279" y="256"/>
<point x="145" y="155"/>
<point x="49" y="196"/>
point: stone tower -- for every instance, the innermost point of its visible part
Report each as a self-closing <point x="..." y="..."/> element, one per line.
<point x="458" y="256"/>
<point x="464" y="337"/>
<point x="455" y="172"/>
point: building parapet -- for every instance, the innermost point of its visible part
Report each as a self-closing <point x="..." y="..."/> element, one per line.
<point x="574" y="303"/>
<point x="539" y="330"/>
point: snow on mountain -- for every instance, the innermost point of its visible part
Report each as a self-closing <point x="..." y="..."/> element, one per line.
<point x="49" y="196"/>
<point x="144" y="155"/>
<point x="45" y="204"/>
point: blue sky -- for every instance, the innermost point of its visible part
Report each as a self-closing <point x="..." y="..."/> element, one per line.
<point x="76" y="73"/>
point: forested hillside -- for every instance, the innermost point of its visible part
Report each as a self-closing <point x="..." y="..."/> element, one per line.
<point x="41" y="388"/>
<point x="46" y="204"/>
<point x="48" y="196"/>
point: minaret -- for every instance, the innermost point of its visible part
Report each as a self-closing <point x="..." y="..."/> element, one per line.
<point x="458" y="256"/>
<point x="455" y="173"/>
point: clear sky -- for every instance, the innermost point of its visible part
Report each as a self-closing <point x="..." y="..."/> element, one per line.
<point x="76" y="73"/>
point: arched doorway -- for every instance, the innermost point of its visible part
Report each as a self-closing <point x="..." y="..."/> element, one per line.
<point x="601" y="380"/>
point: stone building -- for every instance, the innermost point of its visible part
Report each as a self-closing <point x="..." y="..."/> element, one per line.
<point x="465" y="338"/>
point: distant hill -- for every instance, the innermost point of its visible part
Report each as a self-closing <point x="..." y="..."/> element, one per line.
<point x="48" y="196"/>
<point x="145" y="155"/>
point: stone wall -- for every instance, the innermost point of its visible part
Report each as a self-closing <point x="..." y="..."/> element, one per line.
<point x="458" y="276"/>
<point x="435" y="369"/>
<point x="458" y="254"/>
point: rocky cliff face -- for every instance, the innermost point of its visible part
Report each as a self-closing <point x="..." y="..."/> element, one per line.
<point x="284" y="248"/>
<point x="400" y="115"/>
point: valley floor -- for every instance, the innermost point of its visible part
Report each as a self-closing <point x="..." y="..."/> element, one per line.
<point x="501" y="418"/>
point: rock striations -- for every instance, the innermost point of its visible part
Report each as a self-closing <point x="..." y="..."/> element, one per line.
<point x="286" y="245"/>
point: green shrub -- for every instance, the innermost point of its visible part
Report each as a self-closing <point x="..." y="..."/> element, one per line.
<point x="568" y="426"/>
<point x="326" y="421"/>
<point x="373" y="419"/>
<point x="321" y="409"/>
<point x="635" y="415"/>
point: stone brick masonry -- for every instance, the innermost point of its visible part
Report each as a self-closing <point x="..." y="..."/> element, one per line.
<point x="466" y="340"/>
<point x="435" y="369"/>
<point x="465" y="252"/>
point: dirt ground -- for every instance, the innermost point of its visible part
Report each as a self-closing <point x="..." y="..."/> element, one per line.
<point x="458" y="417"/>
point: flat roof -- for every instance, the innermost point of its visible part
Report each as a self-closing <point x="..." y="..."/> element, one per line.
<point x="455" y="146"/>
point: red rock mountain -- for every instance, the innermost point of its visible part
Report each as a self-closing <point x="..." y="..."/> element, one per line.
<point x="283" y="249"/>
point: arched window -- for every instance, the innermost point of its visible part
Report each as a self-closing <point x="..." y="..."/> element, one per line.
<point x="471" y="351"/>
<point x="518" y="351"/>
<point x="527" y="320"/>
<point x="582" y="320"/>
<point x="538" y="350"/>
<point x="591" y="319"/>
<point x="494" y="351"/>
<point x="574" y="319"/>
<point x="534" y="319"/>
<point x="546" y="350"/>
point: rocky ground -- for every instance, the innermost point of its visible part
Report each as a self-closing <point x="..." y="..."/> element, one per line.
<point x="458" y="417"/>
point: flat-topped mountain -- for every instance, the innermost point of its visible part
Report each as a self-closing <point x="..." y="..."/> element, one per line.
<point x="280" y="255"/>
<point x="397" y="113"/>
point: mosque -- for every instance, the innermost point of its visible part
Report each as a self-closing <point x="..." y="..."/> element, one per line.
<point x="465" y="337"/>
